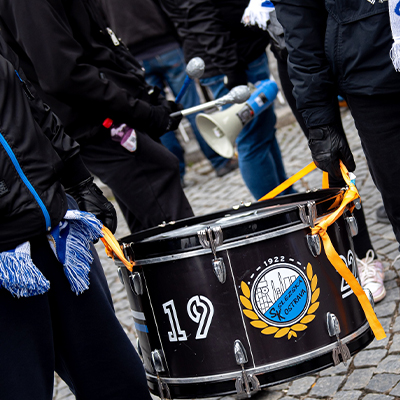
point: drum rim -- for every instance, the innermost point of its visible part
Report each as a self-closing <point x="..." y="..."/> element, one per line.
<point x="265" y="368"/>
<point x="170" y="246"/>
<point x="227" y="246"/>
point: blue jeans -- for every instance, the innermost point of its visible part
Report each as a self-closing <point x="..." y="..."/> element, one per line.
<point x="260" y="159"/>
<point x="170" y="68"/>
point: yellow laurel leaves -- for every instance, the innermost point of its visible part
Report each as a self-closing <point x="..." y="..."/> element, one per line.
<point x="314" y="283"/>
<point x="250" y="314"/>
<point x="307" y="319"/>
<point x="259" y="324"/>
<point x="313" y="308"/>
<point x="290" y="331"/>
<point x="270" y="330"/>
<point x="299" y="327"/>
<point x="309" y="272"/>
<point x="246" y="302"/>
<point x="282" y="332"/>
<point x="315" y="296"/>
<point x="245" y="289"/>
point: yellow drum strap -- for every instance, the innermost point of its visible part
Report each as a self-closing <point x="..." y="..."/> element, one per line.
<point x="113" y="247"/>
<point x="350" y="195"/>
<point x="320" y="229"/>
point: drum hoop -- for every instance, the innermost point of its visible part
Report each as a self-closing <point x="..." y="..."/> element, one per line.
<point x="265" y="368"/>
<point x="227" y="246"/>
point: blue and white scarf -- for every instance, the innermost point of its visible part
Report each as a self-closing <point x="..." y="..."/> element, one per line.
<point x="258" y="13"/>
<point x="70" y="242"/>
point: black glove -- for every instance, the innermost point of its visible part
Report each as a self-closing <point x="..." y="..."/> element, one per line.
<point x="236" y="78"/>
<point x="160" y="121"/>
<point x="328" y="145"/>
<point x="91" y="199"/>
<point x="174" y="122"/>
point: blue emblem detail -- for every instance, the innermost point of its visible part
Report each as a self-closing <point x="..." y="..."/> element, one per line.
<point x="291" y="304"/>
<point x="397" y="9"/>
<point x="141" y="327"/>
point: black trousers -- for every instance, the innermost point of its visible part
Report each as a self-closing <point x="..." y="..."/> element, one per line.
<point x="146" y="183"/>
<point x="362" y="241"/>
<point x="79" y="337"/>
<point x="377" y="119"/>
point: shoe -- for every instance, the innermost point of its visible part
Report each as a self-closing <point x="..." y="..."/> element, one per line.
<point x="371" y="275"/>
<point x="230" y="166"/>
<point x="381" y="215"/>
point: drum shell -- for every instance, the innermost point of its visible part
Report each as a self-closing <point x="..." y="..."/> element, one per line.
<point x="170" y="284"/>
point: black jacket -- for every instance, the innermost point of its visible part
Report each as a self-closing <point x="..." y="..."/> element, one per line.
<point x="336" y="46"/>
<point x="212" y="30"/>
<point x="34" y="155"/>
<point x="68" y="55"/>
<point x="140" y="24"/>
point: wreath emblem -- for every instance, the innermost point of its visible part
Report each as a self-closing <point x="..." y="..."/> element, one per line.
<point x="290" y="330"/>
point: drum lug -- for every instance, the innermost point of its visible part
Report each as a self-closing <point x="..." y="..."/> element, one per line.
<point x="210" y="239"/>
<point x="314" y="244"/>
<point x="128" y="251"/>
<point x="370" y="297"/>
<point x="352" y="224"/>
<point x="246" y="384"/>
<point x="310" y="217"/>
<point x="333" y="327"/>
<point x="136" y="283"/>
<point x="120" y="276"/>
<point x="158" y="365"/>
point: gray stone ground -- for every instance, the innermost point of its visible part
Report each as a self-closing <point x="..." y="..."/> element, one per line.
<point x="374" y="373"/>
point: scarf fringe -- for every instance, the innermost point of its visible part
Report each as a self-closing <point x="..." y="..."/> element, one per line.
<point x="84" y="229"/>
<point x="257" y="13"/>
<point x="19" y="275"/>
<point x="395" y="55"/>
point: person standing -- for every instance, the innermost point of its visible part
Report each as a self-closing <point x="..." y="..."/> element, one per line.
<point x="361" y="72"/>
<point x="234" y="55"/>
<point x="87" y="76"/>
<point x="152" y="40"/>
<point x="56" y="309"/>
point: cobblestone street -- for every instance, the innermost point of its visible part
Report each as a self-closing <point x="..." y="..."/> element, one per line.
<point x="374" y="373"/>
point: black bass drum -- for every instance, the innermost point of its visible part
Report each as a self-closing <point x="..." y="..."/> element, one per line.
<point x="245" y="298"/>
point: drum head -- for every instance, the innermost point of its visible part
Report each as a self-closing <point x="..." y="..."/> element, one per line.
<point x="246" y="220"/>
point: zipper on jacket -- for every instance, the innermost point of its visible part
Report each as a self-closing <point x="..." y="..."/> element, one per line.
<point x="25" y="88"/>
<point x="26" y="181"/>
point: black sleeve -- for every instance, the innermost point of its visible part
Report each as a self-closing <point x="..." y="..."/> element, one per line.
<point x="199" y="21"/>
<point x="304" y="24"/>
<point x="42" y="30"/>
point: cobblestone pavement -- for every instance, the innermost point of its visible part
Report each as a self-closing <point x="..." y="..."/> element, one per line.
<point x="372" y="374"/>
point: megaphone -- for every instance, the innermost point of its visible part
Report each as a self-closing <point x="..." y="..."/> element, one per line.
<point x="221" y="128"/>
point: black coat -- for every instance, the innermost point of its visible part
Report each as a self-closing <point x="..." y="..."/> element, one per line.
<point x="68" y="55"/>
<point x="336" y="46"/>
<point x="34" y="155"/>
<point x="212" y="30"/>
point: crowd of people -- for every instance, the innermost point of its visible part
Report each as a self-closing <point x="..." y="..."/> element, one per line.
<point x="83" y="77"/>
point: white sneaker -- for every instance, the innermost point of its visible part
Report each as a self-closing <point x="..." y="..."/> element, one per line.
<point x="371" y="275"/>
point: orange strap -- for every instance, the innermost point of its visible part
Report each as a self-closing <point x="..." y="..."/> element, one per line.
<point x="350" y="195"/>
<point x="113" y="247"/>
<point x="289" y="182"/>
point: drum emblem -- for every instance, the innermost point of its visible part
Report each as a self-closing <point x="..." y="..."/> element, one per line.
<point x="282" y="300"/>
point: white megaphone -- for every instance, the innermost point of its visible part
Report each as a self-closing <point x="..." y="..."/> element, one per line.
<point x="221" y="128"/>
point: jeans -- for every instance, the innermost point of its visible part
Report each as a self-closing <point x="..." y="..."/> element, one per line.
<point x="260" y="159"/>
<point x="170" y="69"/>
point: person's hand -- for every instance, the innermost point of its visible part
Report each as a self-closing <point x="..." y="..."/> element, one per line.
<point x="161" y="121"/>
<point x="328" y="145"/>
<point x="91" y="199"/>
<point x="174" y="122"/>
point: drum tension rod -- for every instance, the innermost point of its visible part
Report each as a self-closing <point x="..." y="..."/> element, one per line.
<point x="158" y="365"/>
<point x="210" y="238"/>
<point x="333" y="327"/>
<point x="246" y="384"/>
<point x="313" y="241"/>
